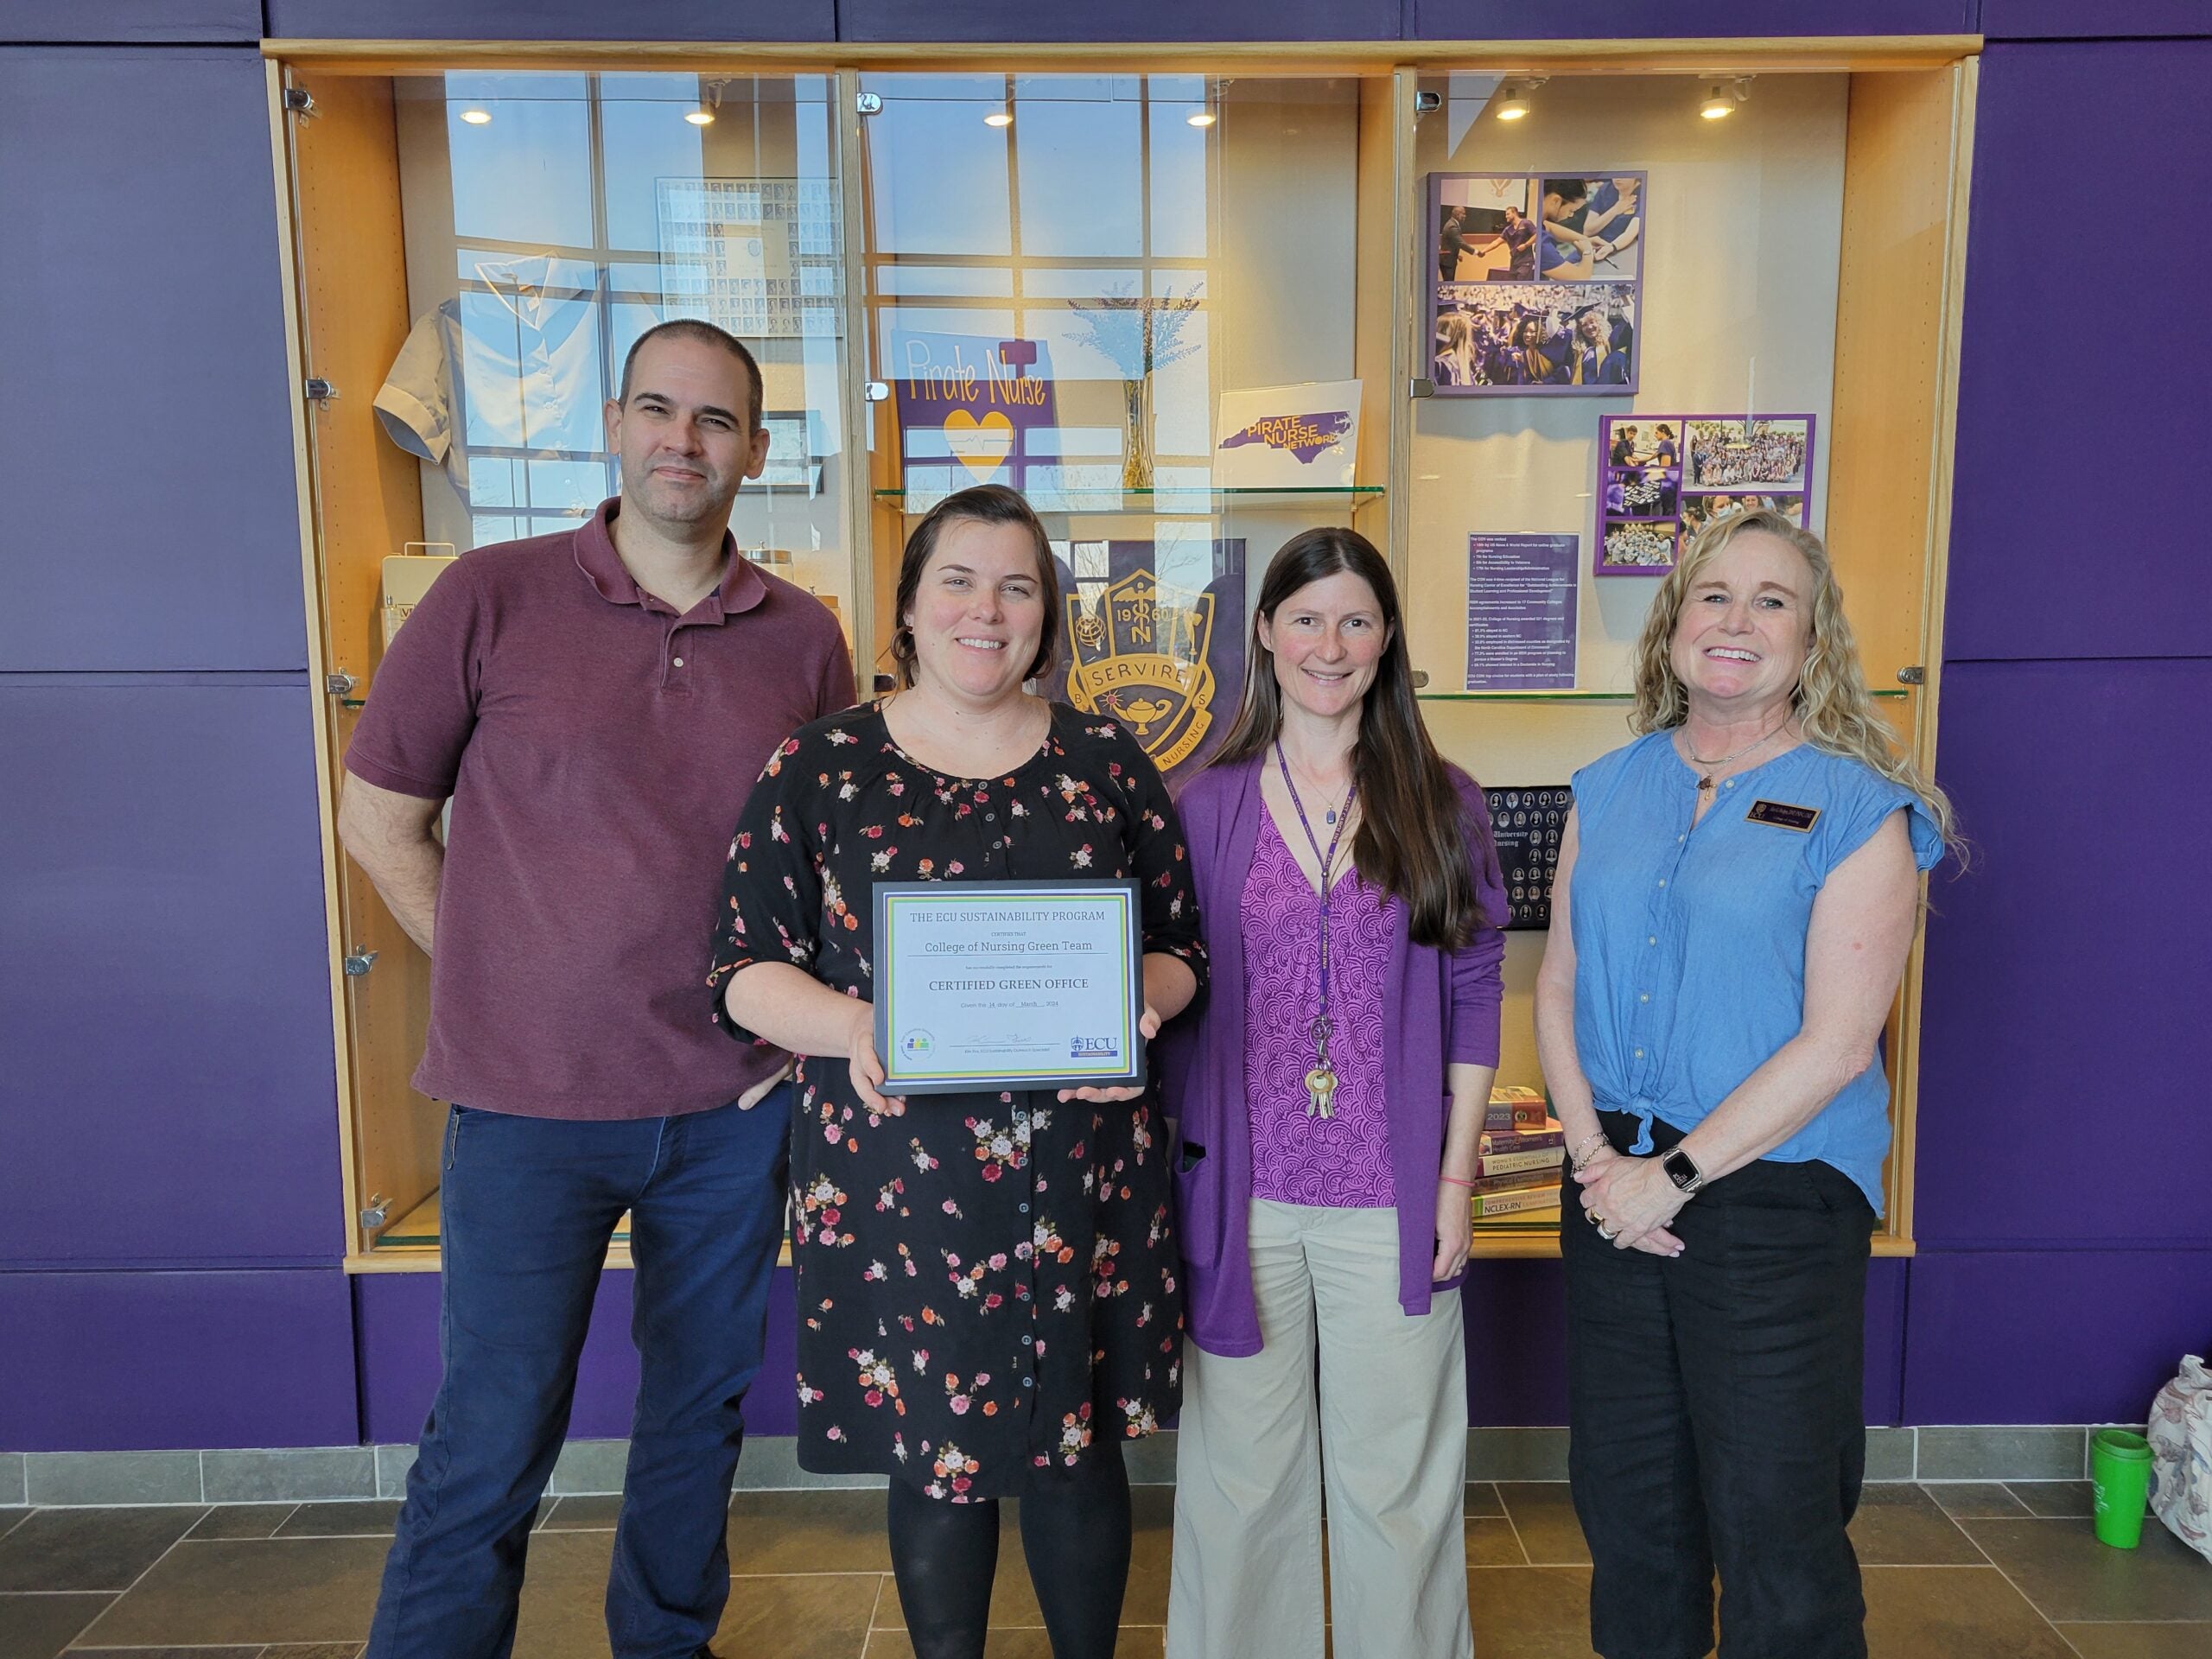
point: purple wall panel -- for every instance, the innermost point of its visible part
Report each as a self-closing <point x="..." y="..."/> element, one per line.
<point x="396" y="1324"/>
<point x="1516" y="20"/>
<point x="2067" y="973"/>
<point x="2065" y="447"/>
<point x="1516" y="1343"/>
<point x="549" y="20"/>
<point x="141" y="323"/>
<point x="2052" y="1336"/>
<point x="143" y="21"/>
<point x="170" y="1094"/>
<point x="2008" y="20"/>
<point x="1121" y="20"/>
<point x="145" y="1361"/>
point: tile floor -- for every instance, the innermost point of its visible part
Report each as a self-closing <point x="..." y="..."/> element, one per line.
<point x="1963" y="1571"/>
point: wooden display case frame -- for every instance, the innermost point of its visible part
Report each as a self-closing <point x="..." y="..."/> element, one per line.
<point x="1906" y="168"/>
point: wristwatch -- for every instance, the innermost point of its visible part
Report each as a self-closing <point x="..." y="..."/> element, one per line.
<point x="1681" y="1169"/>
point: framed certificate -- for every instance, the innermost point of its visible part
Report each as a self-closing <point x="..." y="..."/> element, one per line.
<point x="990" y="985"/>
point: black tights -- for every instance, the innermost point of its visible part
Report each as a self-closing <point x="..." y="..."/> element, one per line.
<point x="1075" y="1533"/>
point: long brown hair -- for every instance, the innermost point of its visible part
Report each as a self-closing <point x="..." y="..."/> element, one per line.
<point x="981" y="503"/>
<point x="1414" y="838"/>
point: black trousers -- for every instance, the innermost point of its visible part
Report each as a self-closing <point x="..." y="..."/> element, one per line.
<point x="1717" y="1423"/>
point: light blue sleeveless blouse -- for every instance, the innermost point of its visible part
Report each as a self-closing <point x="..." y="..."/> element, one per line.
<point x="1689" y="943"/>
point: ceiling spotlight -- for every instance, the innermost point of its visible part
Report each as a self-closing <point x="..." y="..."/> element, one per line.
<point x="1202" y="118"/>
<point x="1721" y="99"/>
<point x="477" y="117"/>
<point x="1510" y="102"/>
<point x="700" y="117"/>
<point x="999" y="119"/>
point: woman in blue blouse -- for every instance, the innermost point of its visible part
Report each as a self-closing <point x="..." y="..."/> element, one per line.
<point x="1736" y="892"/>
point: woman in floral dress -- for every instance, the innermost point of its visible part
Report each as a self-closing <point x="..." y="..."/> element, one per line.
<point x="988" y="1284"/>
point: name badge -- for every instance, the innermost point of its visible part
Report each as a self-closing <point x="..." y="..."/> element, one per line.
<point x="1783" y="816"/>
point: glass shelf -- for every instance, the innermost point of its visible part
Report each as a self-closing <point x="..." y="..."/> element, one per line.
<point x="1164" y="499"/>
<point x="1884" y="692"/>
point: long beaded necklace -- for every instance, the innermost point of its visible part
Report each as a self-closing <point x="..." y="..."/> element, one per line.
<point x="1321" y="1079"/>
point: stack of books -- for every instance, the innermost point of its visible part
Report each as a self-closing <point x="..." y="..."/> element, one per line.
<point x="1517" y="1163"/>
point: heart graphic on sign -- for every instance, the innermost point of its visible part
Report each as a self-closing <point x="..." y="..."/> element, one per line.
<point x="979" y="446"/>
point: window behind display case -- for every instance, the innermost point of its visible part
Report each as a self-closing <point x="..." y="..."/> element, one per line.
<point x="1191" y="315"/>
<point x="477" y="252"/>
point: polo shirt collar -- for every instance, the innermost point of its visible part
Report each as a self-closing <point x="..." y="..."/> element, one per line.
<point x="741" y="585"/>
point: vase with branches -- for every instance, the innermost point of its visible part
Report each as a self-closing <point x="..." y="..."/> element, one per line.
<point x="1137" y="334"/>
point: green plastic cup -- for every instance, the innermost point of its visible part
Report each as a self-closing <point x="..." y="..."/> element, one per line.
<point x="2119" y="1469"/>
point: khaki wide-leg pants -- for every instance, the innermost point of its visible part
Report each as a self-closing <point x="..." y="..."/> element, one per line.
<point x="1388" y="1433"/>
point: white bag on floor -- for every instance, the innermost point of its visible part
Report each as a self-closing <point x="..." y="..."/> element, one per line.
<point x="2180" y="1433"/>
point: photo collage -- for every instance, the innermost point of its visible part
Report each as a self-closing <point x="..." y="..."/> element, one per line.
<point x="1536" y="282"/>
<point x="1663" y="478"/>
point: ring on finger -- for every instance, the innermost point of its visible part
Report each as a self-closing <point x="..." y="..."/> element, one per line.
<point x="1595" y="1219"/>
<point x="1608" y="1234"/>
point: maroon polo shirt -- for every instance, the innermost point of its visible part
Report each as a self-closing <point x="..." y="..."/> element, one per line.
<point x="598" y="748"/>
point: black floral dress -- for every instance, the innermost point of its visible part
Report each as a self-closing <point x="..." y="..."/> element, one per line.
<point x="986" y="1281"/>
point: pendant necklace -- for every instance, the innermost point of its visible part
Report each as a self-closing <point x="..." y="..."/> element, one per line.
<point x="1321" y="1079"/>
<point x="1705" y="783"/>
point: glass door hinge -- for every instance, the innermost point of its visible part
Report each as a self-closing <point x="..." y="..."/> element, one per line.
<point x="1914" y="676"/>
<point x="358" y="963"/>
<point x="299" y="101"/>
<point x="1421" y="388"/>
<point x="868" y="103"/>
<point x="319" y="391"/>
<point x="341" y="684"/>
<point x="376" y="1214"/>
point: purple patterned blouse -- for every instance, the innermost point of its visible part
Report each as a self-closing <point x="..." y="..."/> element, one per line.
<point x="1342" y="1162"/>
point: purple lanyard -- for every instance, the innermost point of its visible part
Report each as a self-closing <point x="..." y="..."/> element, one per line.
<point x="1321" y="1022"/>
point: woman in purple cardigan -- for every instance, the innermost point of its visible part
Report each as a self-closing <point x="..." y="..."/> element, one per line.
<point x="1330" y="1092"/>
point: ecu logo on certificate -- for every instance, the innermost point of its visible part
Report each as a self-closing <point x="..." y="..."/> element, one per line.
<point x="1141" y="656"/>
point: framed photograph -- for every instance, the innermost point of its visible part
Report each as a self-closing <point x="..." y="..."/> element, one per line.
<point x="1536" y="282"/>
<point x="1663" y="478"/>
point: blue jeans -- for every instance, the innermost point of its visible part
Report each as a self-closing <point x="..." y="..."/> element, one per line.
<point x="528" y="1206"/>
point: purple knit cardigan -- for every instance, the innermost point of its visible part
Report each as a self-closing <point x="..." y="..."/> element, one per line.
<point x="1439" y="1007"/>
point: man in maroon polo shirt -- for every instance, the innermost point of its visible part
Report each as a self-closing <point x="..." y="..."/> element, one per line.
<point x="596" y="705"/>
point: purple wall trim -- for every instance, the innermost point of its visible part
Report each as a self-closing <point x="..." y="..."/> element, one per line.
<point x="2061" y="1088"/>
<point x="2041" y="411"/>
<point x="2013" y="20"/>
<point x="1600" y="20"/>
<point x="164" y="1003"/>
<point x="1121" y="20"/>
<point x="153" y="1361"/>
<point x="141" y="324"/>
<point x="141" y="22"/>
<point x="549" y="20"/>
<point x="396" y="1323"/>
<point x="2051" y="1337"/>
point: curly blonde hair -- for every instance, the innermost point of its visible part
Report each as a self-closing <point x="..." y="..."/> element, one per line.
<point x="1832" y="705"/>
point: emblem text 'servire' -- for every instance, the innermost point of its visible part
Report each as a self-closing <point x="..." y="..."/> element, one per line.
<point x="1143" y="660"/>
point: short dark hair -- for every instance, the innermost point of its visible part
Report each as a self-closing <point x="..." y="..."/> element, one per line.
<point x="984" y="504"/>
<point x="1567" y="189"/>
<point x="694" y="328"/>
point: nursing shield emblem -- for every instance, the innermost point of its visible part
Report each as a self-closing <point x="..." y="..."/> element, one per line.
<point x="1141" y="656"/>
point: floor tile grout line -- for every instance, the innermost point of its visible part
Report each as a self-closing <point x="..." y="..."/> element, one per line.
<point x="2034" y="1606"/>
<point x="117" y="1601"/>
<point x="1506" y="1510"/>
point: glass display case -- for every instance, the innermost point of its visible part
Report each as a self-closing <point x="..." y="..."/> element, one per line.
<point x="1189" y="314"/>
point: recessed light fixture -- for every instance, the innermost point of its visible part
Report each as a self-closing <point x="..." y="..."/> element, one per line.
<point x="1722" y="97"/>
<point x="999" y="119"/>
<point x="1202" y="118"/>
<point x="700" y="117"/>
<point x="477" y="117"/>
